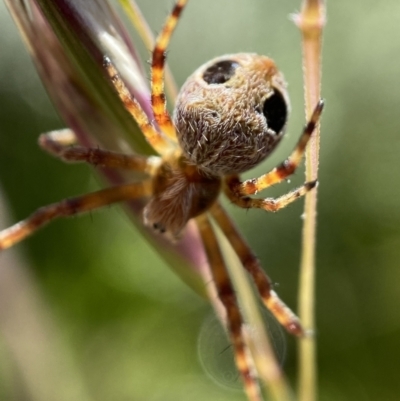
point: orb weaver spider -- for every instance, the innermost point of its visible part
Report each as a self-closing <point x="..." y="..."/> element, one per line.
<point x="230" y="114"/>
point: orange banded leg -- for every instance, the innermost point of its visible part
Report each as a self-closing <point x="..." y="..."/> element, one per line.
<point x="252" y="186"/>
<point x="263" y="283"/>
<point x="227" y="296"/>
<point x="139" y="22"/>
<point x="57" y="144"/>
<point x="160" y="144"/>
<point x="72" y="206"/>
<point x="268" y="204"/>
<point x="158" y="100"/>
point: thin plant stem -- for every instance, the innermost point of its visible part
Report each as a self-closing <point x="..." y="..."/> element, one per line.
<point x="310" y="21"/>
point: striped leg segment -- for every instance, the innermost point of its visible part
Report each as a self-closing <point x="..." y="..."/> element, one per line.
<point x="268" y="204"/>
<point x="227" y="296"/>
<point x="250" y="262"/>
<point x="252" y="186"/>
<point x="57" y="144"/>
<point x="70" y="207"/>
<point x="139" y="22"/>
<point x="160" y="144"/>
<point x="158" y="100"/>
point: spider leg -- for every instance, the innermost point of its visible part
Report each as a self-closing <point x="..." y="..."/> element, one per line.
<point x="58" y="143"/>
<point x="279" y="173"/>
<point x="268" y="204"/>
<point x="70" y="207"/>
<point x="227" y="296"/>
<point x="158" y="100"/>
<point x="64" y="137"/>
<point x="160" y="144"/>
<point x="250" y="262"/>
<point x="139" y="22"/>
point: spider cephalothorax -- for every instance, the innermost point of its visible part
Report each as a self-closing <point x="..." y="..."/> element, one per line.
<point x="181" y="191"/>
<point x="230" y="115"/>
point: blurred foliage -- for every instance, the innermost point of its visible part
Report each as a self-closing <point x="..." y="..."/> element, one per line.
<point x="128" y="324"/>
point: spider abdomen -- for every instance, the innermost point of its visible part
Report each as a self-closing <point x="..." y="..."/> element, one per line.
<point x="231" y="113"/>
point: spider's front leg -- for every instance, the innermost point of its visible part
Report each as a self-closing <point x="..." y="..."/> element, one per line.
<point x="238" y="191"/>
<point x="228" y="298"/>
<point x="250" y="262"/>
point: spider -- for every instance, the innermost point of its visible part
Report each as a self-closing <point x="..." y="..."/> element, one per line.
<point x="229" y="115"/>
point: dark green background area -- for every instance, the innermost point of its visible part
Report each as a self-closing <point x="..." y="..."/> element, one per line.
<point x="125" y="325"/>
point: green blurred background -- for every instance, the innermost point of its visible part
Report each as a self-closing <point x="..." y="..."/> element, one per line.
<point x="90" y="312"/>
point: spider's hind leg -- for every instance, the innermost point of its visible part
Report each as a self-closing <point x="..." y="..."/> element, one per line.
<point x="250" y="187"/>
<point x="157" y="140"/>
<point x="158" y="99"/>
<point x="268" y="204"/>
